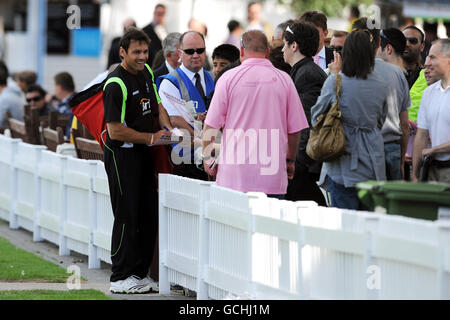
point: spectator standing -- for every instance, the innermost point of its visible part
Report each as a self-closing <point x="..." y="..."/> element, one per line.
<point x="434" y="117"/>
<point x="337" y="40"/>
<point x="301" y="41"/>
<point x="156" y="31"/>
<point x="113" y="54"/>
<point x="171" y="53"/>
<point x="412" y="55"/>
<point x="64" y="92"/>
<point x="189" y="82"/>
<point x="258" y="107"/>
<point x="324" y="55"/>
<point x="279" y="30"/>
<point x="222" y="56"/>
<point x="235" y="33"/>
<point x="396" y="127"/>
<point x="353" y="16"/>
<point x="11" y="98"/>
<point x="363" y="115"/>
<point x="255" y="21"/>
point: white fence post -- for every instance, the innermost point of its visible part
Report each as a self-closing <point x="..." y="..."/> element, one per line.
<point x="93" y="259"/>
<point x="13" y="220"/>
<point x="301" y="290"/>
<point x="371" y="228"/>
<point x="63" y="250"/>
<point x="203" y="242"/>
<point x="444" y="259"/>
<point x="164" y="285"/>
<point x="37" y="197"/>
<point x="254" y="204"/>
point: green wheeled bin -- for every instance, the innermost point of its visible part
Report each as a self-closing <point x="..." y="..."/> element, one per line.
<point x="415" y="200"/>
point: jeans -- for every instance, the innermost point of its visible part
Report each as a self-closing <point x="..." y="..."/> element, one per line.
<point x="344" y="198"/>
<point x="392" y="154"/>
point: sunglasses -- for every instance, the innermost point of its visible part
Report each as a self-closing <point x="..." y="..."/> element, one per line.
<point x="338" y="49"/>
<point x="35" y="99"/>
<point x="412" y="40"/>
<point x="192" y="51"/>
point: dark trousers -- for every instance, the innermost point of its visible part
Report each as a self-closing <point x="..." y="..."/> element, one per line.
<point x="303" y="187"/>
<point x="190" y="171"/>
<point x="134" y="203"/>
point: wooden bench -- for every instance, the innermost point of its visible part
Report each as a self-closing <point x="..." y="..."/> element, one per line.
<point x="88" y="149"/>
<point x="53" y="138"/>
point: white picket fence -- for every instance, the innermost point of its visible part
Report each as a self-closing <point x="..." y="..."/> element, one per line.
<point x="225" y="244"/>
<point x="61" y="199"/>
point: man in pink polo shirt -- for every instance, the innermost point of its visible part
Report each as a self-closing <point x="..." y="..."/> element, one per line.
<point x="261" y="115"/>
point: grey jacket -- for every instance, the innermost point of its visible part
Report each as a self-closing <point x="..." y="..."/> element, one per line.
<point x="364" y="107"/>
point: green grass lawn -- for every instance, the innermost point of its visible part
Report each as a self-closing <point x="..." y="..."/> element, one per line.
<point x="19" y="265"/>
<point x="53" y="295"/>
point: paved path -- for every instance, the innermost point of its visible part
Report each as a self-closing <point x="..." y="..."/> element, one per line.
<point x="97" y="279"/>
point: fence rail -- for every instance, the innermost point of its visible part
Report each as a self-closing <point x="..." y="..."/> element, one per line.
<point x="225" y="244"/>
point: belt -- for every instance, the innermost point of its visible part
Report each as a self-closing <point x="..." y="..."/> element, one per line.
<point x="440" y="164"/>
<point x="395" y="141"/>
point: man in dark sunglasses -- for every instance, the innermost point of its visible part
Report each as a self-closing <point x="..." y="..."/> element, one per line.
<point x="192" y="84"/>
<point x="35" y="97"/>
<point x="412" y="54"/>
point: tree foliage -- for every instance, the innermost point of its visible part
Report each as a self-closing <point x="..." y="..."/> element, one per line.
<point x="331" y="8"/>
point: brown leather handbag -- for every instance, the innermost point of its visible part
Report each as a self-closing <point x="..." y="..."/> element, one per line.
<point x="327" y="140"/>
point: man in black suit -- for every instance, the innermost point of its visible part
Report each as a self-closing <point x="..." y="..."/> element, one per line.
<point x="324" y="55"/>
<point x="113" y="55"/>
<point x="156" y="31"/>
<point x="170" y="46"/>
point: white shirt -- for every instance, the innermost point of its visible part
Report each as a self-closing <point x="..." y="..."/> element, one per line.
<point x="322" y="59"/>
<point x="170" y="88"/>
<point x="434" y="116"/>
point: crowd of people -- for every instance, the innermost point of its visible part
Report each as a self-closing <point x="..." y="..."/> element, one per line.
<point x="246" y="118"/>
<point x="22" y="89"/>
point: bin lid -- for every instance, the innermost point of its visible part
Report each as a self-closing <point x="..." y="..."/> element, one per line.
<point x="419" y="187"/>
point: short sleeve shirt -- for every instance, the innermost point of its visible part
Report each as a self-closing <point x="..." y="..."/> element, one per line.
<point x="141" y="108"/>
<point x="258" y="106"/>
<point x="434" y="116"/>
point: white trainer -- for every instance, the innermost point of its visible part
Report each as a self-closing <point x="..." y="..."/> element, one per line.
<point x="132" y="284"/>
<point x="147" y="281"/>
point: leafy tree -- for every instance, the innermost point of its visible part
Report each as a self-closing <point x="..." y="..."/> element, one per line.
<point x="331" y="8"/>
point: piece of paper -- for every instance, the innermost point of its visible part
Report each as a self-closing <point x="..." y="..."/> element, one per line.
<point x="182" y="107"/>
<point x="166" y="139"/>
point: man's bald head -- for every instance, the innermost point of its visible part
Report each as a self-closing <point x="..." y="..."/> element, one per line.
<point x="255" y="41"/>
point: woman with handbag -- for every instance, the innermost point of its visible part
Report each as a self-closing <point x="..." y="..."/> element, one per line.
<point x="301" y="41"/>
<point x="362" y="107"/>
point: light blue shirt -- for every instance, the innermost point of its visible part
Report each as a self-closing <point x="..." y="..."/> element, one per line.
<point x="11" y="99"/>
